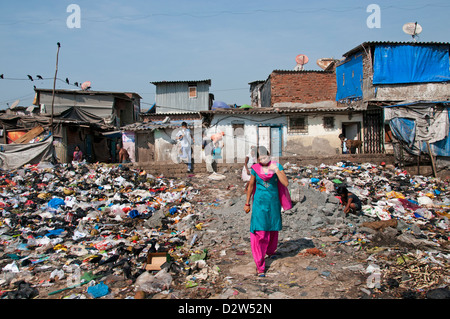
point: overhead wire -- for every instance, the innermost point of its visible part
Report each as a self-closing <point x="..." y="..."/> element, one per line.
<point x="339" y="9"/>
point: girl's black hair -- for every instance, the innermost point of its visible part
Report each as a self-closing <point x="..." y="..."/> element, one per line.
<point x="261" y="150"/>
<point x="342" y="190"/>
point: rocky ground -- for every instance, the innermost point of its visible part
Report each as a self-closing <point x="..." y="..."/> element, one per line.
<point x="322" y="253"/>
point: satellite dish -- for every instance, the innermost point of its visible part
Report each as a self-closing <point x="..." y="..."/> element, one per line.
<point x="412" y="28"/>
<point x="30" y="109"/>
<point x="324" y="63"/>
<point x="301" y="60"/>
<point x="86" y="85"/>
<point x="14" y="104"/>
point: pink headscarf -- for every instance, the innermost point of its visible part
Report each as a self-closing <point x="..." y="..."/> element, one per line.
<point x="283" y="191"/>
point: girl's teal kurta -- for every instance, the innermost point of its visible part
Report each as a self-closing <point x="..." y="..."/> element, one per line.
<point x="266" y="210"/>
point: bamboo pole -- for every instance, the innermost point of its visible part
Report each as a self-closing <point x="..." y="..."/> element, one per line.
<point x="433" y="165"/>
<point x="54" y="84"/>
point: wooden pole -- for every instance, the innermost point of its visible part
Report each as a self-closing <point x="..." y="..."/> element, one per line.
<point x="433" y="165"/>
<point x="418" y="159"/>
<point x="54" y="84"/>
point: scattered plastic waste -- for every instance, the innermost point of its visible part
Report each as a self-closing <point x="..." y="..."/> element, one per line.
<point x="85" y="231"/>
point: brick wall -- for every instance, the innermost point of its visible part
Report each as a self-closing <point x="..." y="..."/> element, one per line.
<point x="303" y="86"/>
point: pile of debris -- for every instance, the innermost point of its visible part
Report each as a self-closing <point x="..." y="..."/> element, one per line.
<point x="403" y="225"/>
<point x="96" y="230"/>
<point x="67" y="225"/>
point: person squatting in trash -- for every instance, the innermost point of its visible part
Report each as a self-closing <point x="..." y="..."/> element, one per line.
<point x="122" y="154"/>
<point x="268" y="191"/>
<point x="350" y="202"/>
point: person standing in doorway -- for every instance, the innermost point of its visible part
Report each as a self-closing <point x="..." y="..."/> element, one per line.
<point x="343" y="143"/>
<point x="77" y="154"/>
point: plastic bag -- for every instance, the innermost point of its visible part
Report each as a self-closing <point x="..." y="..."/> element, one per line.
<point x="154" y="283"/>
<point x="98" y="291"/>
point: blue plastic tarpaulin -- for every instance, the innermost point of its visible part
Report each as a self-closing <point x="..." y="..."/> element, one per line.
<point x="220" y="105"/>
<point x="439" y="148"/>
<point x="411" y="64"/>
<point x="349" y="78"/>
<point x="403" y="129"/>
<point x="406" y="130"/>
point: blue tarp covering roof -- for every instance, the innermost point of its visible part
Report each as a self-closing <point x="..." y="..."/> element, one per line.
<point x="349" y="77"/>
<point x="220" y="105"/>
<point x="411" y="64"/>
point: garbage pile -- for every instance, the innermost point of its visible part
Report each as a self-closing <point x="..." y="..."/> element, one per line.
<point x="387" y="193"/>
<point x="110" y="231"/>
<point x="93" y="227"/>
<point x="403" y="225"/>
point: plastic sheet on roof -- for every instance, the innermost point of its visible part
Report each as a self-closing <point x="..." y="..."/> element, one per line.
<point x="349" y="78"/>
<point x="410" y="64"/>
<point x="220" y="105"/>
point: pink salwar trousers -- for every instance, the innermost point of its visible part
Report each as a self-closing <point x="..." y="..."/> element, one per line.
<point x="263" y="243"/>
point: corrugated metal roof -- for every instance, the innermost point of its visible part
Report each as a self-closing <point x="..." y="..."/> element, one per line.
<point x="277" y="110"/>
<point x="88" y="92"/>
<point x="301" y="71"/>
<point x="150" y="126"/>
<point x="191" y="81"/>
<point x="169" y="113"/>
<point x="371" y="43"/>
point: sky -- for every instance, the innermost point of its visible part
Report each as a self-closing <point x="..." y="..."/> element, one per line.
<point x="125" y="45"/>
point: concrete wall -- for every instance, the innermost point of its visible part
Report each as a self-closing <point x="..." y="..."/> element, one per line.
<point x="237" y="142"/>
<point x="316" y="141"/>
<point x="319" y="140"/>
<point x="413" y="92"/>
